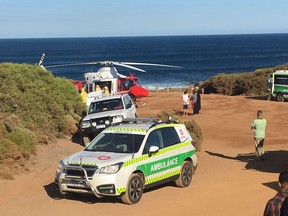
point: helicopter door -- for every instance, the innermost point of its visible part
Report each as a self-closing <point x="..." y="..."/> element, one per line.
<point x="120" y="86"/>
<point x="103" y="84"/>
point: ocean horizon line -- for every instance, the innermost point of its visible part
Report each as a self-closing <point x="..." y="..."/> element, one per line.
<point x="145" y="36"/>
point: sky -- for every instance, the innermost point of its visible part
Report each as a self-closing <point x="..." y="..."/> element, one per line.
<point x="111" y="18"/>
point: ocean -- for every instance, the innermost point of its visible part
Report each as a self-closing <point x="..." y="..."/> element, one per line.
<point x="200" y="56"/>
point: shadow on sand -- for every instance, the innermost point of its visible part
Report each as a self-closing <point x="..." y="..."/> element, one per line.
<point x="77" y="138"/>
<point x="274" y="161"/>
<point x="54" y="193"/>
<point x="257" y="97"/>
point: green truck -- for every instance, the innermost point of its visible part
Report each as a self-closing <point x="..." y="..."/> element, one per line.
<point x="278" y="85"/>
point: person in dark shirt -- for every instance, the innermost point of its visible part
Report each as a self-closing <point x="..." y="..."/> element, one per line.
<point x="284" y="208"/>
<point x="273" y="206"/>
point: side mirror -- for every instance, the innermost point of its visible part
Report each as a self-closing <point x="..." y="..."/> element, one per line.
<point x="84" y="113"/>
<point x="153" y="149"/>
<point x="129" y="105"/>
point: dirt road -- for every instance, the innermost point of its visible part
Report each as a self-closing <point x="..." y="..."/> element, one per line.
<point x="228" y="181"/>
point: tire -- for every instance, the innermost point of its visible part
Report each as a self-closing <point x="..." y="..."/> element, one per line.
<point x="185" y="177"/>
<point x="134" y="190"/>
<point x="280" y="97"/>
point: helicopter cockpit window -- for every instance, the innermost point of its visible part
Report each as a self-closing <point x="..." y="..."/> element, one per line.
<point x="129" y="83"/>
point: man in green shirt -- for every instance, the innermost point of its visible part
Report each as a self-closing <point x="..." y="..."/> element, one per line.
<point x="259" y="127"/>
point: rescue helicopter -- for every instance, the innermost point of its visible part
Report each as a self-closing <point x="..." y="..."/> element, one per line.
<point x="108" y="77"/>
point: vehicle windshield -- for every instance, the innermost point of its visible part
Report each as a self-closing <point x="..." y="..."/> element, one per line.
<point x="105" y="105"/>
<point x="116" y="142"/>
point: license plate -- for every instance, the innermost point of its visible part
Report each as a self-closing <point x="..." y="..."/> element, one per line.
<point x="77" y="184"/>
<point x="100" y="126"/>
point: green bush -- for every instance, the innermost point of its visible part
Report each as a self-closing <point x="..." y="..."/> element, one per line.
<point x="195" y="132"/>
<point x="7" y="147"/>
<point x="164" y="115"/>
<point x="35" y="108"/>
<point x="24" y="140"/>
<point x="39" y="99"/>
<point x="249" y="83"/>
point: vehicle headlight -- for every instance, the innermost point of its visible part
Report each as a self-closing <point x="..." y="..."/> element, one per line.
<point x="111" y="169"/>
<point x="107" y="122"/>
<point x="94" y="124"/>
<point x="117" y="119"/>
<point x="60" y="165"/>
<point x="85" y="124"/>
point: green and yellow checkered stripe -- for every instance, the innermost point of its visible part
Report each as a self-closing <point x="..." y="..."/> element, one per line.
<point x="135" y="160"/>
<point x="83" y="163"/>
<point x="161" y="151"/>
<point x="164" y="176"/>
<point x="166" y="125"/>
<point x="120" y="190"/>
<point x="130" y="130"/>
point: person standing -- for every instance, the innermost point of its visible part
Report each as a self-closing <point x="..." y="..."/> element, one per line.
<point x="273" y="206"/>
<point x="84" y="95"/>
<point x="259" y="128"/>
<point x="284" y="208"/>
<point x="197" y="102"/>
<point x="192" y="102"/>
<point x="106" y="90"/>
<point x="185" y="99"/>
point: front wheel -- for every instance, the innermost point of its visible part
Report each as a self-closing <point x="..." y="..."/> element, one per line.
<point x="280" y="97"/>
<point x="134" y="190"/>
<point x="185" y="177"/>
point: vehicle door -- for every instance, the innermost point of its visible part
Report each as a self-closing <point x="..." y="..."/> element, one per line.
<point x="129" y="106"/>
<point x="167" y="161"/>
<point x="152" y="165"/>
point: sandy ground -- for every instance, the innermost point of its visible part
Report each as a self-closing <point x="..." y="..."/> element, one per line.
<point x="228" y="181"/>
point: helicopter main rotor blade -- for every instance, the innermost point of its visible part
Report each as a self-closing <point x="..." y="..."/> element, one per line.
<point x="76" y="64"/>
<point x="128" y="66"/>
<point x="149" y="64"/>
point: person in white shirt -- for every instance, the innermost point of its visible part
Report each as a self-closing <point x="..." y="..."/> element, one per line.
<point x="185" y="99"/>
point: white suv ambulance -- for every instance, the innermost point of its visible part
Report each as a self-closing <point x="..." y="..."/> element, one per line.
<point x="127" y="158"/>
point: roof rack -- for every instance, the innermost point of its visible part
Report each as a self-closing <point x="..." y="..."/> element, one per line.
<point x="169" y="121"/>
<point x="138" y="120"/>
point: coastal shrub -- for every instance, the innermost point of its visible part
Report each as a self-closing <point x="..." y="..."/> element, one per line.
<point x="15" y="140"/>
<point x="9" y="150"/>
<point x="35" y="108"/>
<point x="249" y="83"/>
<point x="195" y="132"/>
<point x="24" y="140"/>
<point x="39" y="99"/>
<point x="191" y="125"/>
<point x="164" y="115"/>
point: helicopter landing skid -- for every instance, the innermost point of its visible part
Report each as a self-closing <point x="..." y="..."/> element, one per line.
<point x="141" y="105"/>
